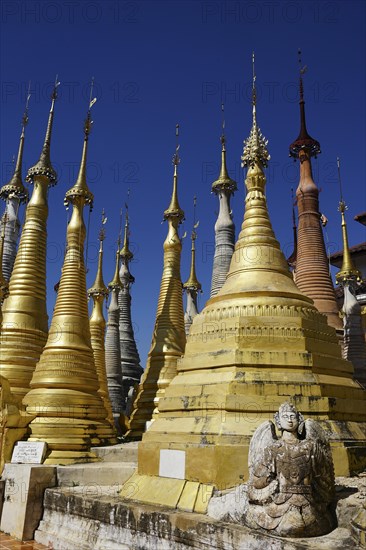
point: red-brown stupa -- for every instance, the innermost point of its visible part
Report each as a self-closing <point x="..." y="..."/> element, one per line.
<point x="312" y="267"/>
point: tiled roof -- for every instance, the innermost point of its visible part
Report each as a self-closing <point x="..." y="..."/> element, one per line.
<point x="353" y="249"/>
<point x="361" y="218"/>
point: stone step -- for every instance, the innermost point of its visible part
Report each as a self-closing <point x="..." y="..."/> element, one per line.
<point x="94" y="475"/>
<point x="123" y="452"/>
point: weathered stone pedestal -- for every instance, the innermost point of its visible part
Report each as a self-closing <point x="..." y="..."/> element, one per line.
<point x="23" y="501"/>
<point x="93" y="516"/>
<point x="75" y="519"/>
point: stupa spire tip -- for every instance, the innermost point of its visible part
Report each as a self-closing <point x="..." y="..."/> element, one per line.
<point x="15" y="188"/>
<point x="224" y="182"/>
<point x="348" y="272"/>
<point x="304" y="140"/>
<point x="44" y="166"/>
<point x="80" y="188"/>
<point x="99" y="288"/>
<point x="125" y="252"/>
<point x="116" y="281"/>
<point x="255" y="146"/>
<point x="174" y="210"/>
<point x="192" y="283"/>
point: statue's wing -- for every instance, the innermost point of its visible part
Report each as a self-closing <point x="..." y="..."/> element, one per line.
<point x="262" y="483"/>
<point x="323" y="468"/>
<point x="263" y="437"/>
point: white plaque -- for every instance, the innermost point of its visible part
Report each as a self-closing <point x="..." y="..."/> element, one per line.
<point x="29" y="452"/>
<point x="172" y="464"/>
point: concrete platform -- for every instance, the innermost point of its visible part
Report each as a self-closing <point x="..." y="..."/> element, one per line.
<point x="117" y="464"/>
<point x="74" y="520"/>
<point x="123" y="452"/>
<point x="95" y="474"/>
<point x="86" y="512"/>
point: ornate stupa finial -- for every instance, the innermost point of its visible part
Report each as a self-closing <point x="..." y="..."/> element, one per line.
<point x="348" y="272"/>
<point x="120" y="224"/>
<point x="15" y="188"/>
<point x="176" y="159"/>
<point x="254" y="90"/>
<point x="44" y="167"/>
<point x="125" y="251"/>
<point x="255" y="146"/>
<point x="80" y="188"/>
<point x="224" y="182"/>
<point x="116" y="281"/>
<point x="174" y="210"/>
<point x="304" y="140"/>
<point x="192" y="281"/>
<point x="98" y="287"/>
<point x="126" y="255"/>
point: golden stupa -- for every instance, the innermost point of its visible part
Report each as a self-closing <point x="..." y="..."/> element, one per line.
<point x="99" y="293"/>
<point x="192" y="286"/>
<point x="349" y="278"/>
<point x="192" y="283"/>
<point x="25" y="320"/>
<point x="348" y="271"/>
<point x="256" y="344"/>
<point x="64" y="389"/>
<point x="169" y="336"/>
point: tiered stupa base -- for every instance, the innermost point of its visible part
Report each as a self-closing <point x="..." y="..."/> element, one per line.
<point x="20" y="351"/>
<point x="235" y="374"/>
<point x="70" y="421"/>
<point x="69" y="449"/>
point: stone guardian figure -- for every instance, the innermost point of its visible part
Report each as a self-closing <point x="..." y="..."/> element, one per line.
<point x="291" y="478"/>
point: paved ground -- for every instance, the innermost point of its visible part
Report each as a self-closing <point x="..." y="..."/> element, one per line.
<point x="9" y="543"/>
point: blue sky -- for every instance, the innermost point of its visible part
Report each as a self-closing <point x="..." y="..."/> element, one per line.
<point x="157" y="63"/>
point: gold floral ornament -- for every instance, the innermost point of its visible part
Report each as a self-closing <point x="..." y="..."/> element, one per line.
<point x="255" y="146"/>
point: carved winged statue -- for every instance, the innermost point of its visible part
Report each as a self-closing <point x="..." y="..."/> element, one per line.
<point x="291" y="477"/>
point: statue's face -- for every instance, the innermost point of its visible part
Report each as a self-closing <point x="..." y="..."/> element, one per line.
<point x="289" y="420"/>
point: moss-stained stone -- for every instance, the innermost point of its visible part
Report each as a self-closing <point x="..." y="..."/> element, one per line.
<point x="79" y="519"/>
